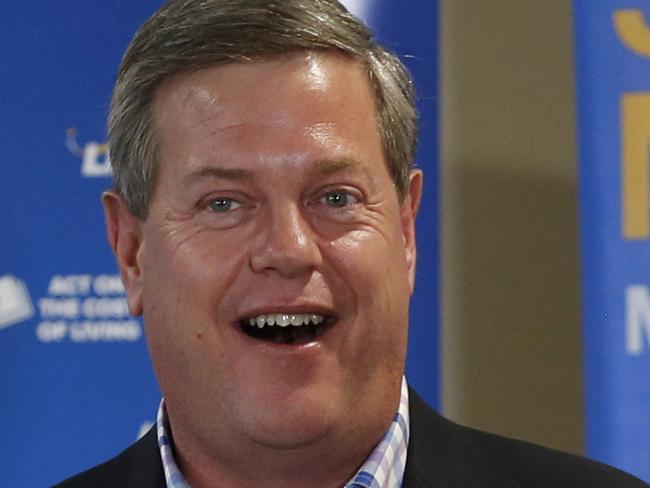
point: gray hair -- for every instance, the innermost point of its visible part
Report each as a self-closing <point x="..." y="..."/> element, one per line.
<point x="188" y="35"/>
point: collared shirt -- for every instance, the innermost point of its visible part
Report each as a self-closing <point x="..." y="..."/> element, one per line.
<point x="384" y="468"/>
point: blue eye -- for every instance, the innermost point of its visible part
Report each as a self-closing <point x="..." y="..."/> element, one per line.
<point x="223" y="204"/>
<point x="339" y="199"/>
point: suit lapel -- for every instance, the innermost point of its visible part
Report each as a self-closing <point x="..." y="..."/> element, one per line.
<point x="439" y="455"/>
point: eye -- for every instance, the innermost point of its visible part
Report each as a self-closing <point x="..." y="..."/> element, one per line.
<point x="339" y="199"/>
<point x="223" y="204"/>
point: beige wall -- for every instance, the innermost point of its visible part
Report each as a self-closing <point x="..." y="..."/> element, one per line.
<point x="510" y="308"/>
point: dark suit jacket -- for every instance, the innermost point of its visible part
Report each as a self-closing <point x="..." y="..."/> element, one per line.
<point x="441" y="454"/>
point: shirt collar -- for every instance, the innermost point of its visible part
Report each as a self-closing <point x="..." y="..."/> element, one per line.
<point x="384" y="468"/>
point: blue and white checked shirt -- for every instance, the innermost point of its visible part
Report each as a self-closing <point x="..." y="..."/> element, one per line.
<point x="384" y="468"/>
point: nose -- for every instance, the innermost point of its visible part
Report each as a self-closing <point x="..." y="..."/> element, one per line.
<point x="286" y="244"/>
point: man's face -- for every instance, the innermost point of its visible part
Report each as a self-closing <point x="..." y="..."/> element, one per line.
<point x="273" y="203"/>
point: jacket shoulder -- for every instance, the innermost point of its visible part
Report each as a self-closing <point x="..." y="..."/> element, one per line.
<point x="137" y="466"/>
<point x="445" y="454"/>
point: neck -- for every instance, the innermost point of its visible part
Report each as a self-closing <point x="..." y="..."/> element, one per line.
<point x="326" y="464"/>
<point x="286" y="455"/>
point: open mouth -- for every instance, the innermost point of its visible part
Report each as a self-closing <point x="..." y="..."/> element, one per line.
<point x="289" y="328"/>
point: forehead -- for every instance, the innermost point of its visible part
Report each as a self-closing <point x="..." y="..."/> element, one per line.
<point x="265" y="106"/>
<point x="221" y="89"/>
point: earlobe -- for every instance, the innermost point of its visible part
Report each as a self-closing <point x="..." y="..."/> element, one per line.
<point x="409" y="212"/>
<point x="124" y="233"/>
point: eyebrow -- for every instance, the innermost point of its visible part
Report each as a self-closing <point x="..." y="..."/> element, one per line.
<point x="330" y="166"/>
<point x="235" y="174"/>
<point x="319" y="166"/>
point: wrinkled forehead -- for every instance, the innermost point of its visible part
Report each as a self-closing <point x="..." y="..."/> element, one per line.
<point x="310" y="63"/>
<point x="234" y="93"/>
<point x="308" y="105"/>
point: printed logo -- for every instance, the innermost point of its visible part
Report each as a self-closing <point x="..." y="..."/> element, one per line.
<point x="637" y="319"/>
<point x="633" y="30"/>
<point x="15" y="302"/>
<point x="96" y="161"/>
<point x="86" y="308"/>
<point x="635" y="154"/>
<point x="634" y="33"/>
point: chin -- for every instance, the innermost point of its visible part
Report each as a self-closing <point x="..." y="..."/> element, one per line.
<point x="287" y="432"/>
<point x="297" y="420"/>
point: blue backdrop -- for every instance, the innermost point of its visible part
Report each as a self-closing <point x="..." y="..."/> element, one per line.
<point x="75" y="377"/>
<point x="613" y="54"/>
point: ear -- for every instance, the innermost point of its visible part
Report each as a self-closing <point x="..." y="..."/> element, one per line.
<point x="124" y="232"/>
<point x="409" y="212"/>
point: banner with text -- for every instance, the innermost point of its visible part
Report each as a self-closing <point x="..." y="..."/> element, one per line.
<point x="613" y="60"/>
<point x="76" y="382"/>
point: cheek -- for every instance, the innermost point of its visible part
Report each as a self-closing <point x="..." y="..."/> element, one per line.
<point x="371" y="255"/>
<point x="374" y="274"/>
<point x="193" y="254"/>
<point x="185" y="282"/>
<point x="374" y="270"/>
<point x="186" y="275"/>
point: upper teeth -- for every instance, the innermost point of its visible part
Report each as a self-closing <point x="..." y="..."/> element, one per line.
<point x="285" y="319"/>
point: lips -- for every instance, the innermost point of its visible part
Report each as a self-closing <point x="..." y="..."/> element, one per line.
<point x="286" y="328"/>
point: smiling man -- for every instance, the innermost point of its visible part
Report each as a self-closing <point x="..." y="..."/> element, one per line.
<point x="274" y="334"/>
<point x="263" y="223"/>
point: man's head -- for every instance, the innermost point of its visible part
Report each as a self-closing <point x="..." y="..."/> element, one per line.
<point x="187" y="35"/>
<point x="273" y="258"/>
